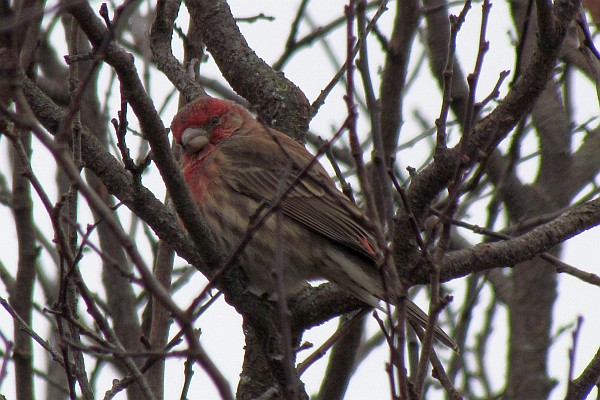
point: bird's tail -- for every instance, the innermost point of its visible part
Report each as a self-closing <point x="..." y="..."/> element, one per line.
<point x="362" y="279"/>
<point x="417" y="316"/>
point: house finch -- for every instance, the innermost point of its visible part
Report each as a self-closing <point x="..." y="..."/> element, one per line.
<point x="234" y="165"/>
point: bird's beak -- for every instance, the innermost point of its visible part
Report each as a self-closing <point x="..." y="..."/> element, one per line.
<point x="194" y="139"/>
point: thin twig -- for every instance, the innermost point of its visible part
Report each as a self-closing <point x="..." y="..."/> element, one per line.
<point x="322" y="350"/>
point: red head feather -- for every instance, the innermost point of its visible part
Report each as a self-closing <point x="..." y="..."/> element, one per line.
<point x="198" y="113"/>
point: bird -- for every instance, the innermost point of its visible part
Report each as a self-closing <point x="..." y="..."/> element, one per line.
<point x="234" y="165"/>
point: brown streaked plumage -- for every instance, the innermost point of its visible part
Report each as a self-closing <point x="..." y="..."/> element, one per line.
<point x="233" y="164"/>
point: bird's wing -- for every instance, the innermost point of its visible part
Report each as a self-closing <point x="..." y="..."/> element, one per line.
<point x="261" y="169"/>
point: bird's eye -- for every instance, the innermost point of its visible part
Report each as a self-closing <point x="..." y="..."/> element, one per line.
<point x="215" y="121"/>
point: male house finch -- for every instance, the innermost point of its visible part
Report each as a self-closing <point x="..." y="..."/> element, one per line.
<point x="233" y="165"/>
